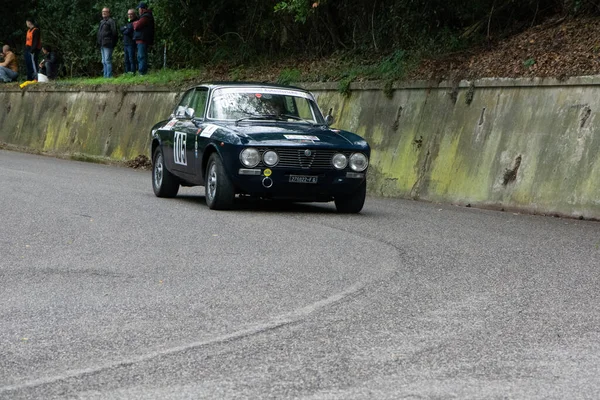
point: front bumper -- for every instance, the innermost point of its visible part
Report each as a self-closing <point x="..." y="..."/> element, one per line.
<point x="277" y="184"/>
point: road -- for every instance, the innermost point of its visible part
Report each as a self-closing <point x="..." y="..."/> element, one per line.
<point x="107" y="292"/>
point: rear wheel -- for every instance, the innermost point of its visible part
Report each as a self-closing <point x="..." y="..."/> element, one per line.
<point x="218" y="188"/>
<point x="164" y="183"/>
<point x="353" y="202"/>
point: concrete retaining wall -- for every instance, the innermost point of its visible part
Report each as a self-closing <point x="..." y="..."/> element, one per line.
<point x="528" y="145"/>
<point x="98" y="121"/>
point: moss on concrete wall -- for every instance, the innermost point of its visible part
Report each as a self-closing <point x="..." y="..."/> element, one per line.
<point x="103" y="122"/>
<point x="530" y="145"/>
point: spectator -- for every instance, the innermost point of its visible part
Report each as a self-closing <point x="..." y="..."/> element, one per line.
<point x="128" y="43"/>
<point x="33" y="44"/>
<point x="49" y="65"/>
<point x="143" y="36"/>
<point x="107" y="39"/>
<point x="8" y="68"/>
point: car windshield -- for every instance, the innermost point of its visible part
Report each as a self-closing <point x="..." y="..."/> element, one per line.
<point x="239" y="104"/>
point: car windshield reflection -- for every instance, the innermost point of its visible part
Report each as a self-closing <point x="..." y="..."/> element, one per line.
<point x="249" y="104"/>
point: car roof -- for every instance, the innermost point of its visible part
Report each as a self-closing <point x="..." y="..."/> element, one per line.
<point x="213" y="85"/>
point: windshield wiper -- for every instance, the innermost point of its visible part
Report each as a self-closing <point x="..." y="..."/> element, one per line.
<point x="277" y="117"/>
<point x="288" y="116"/>
<point x="255" y="116"/>
<point x="296" y="118"/>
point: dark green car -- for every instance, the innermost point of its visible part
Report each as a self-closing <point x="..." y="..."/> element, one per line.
<point x="259" y="140"/>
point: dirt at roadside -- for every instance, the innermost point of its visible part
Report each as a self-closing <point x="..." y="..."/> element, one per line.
<point x="140" y="162"/>
<point x="559" y="48"/>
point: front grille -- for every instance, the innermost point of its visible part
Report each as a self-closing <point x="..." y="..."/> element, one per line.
<point x="297" y="158"/>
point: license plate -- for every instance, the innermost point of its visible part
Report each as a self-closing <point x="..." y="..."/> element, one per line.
<point x="303" y="179"/>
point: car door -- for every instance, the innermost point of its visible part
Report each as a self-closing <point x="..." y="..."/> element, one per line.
<point x="183" y="132"/>
<point x="195" y="145"/>
<point x="169" y="135"/>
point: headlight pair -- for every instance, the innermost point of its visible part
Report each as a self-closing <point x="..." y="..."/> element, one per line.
<point x="250" y="157"/>
<point x="358" y="161"/>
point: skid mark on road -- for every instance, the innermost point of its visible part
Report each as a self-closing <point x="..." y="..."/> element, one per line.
<point x="386" y="270"/>
<point x="275" y="323"/>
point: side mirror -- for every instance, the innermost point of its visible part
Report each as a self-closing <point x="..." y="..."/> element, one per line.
<point x="180" y="111"/>
<point x="329" y="119"/>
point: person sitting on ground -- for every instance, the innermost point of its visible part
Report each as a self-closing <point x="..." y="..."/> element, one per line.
<point x="49" y="65"/>
<point x="9" y="69"/>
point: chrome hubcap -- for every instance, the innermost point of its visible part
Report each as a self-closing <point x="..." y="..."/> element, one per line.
<point x="212" y="181"/>
<point x="158" y="171"/>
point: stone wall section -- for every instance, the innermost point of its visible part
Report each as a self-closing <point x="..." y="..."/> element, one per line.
<point x="530" y="145"/>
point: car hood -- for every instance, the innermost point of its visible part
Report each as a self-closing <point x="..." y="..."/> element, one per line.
<point x="293" y="134"/>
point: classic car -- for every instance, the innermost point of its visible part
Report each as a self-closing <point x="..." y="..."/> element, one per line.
<point x="261" y="140"/>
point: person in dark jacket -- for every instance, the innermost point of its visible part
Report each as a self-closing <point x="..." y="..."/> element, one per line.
<point x="33" y="44"/>
<point x="107" y="39"/>
<point x="129" y="43"/>
<point x="143" y="36"/>
<point x="49" y="65"/>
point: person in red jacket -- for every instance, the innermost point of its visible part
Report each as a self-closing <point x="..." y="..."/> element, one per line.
<point x="33" y="44"/>
<point x="144" y="36"/>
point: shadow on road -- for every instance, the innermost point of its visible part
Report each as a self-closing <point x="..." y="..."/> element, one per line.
<point x="265" y="205"/>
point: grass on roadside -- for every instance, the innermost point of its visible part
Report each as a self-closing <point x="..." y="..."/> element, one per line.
<point x="343" y="68"/>
<point x="158" y="77"/>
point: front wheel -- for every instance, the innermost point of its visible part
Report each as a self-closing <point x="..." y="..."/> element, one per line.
<point x="353" y="202"/>
<point x="218" y="188"/>
<point x="164" y="183"/>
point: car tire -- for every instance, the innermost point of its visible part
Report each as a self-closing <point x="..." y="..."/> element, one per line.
<point x="218" y="188"/>
<point x="164" y="183"/>
<point x="353" y="202"/>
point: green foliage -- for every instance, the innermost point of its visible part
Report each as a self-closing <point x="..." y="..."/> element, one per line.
<point x="388" y="88"/>
<point x="288" y="76"/>
<point x="385" y="37"/>
<point x="300" y="9"/>
<point x="237" y="73"/>
<point x="160" y="77"/>
<point x="392" y="67"/>
<point x="530" y="62"/>
<point x="233" y="54"/>
<point x="344" y="84"/>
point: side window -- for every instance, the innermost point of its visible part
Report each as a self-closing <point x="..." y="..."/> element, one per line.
<point x="184" y="103"/>
<point x="304" y="110"/>
<point x="198" y="102"/>
<point x="290" y="106"/>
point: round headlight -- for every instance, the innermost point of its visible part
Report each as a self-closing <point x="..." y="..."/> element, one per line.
<point x="270" y="158"/>
<point x="250" y="157"/>
<point x="339" y="161"/>
<point x="358" y="162"/>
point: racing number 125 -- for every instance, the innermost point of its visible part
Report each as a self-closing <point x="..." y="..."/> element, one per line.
<point x="179" y="148"/>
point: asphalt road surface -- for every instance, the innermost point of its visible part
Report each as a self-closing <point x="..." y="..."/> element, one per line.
<point x="108" y="292"/>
